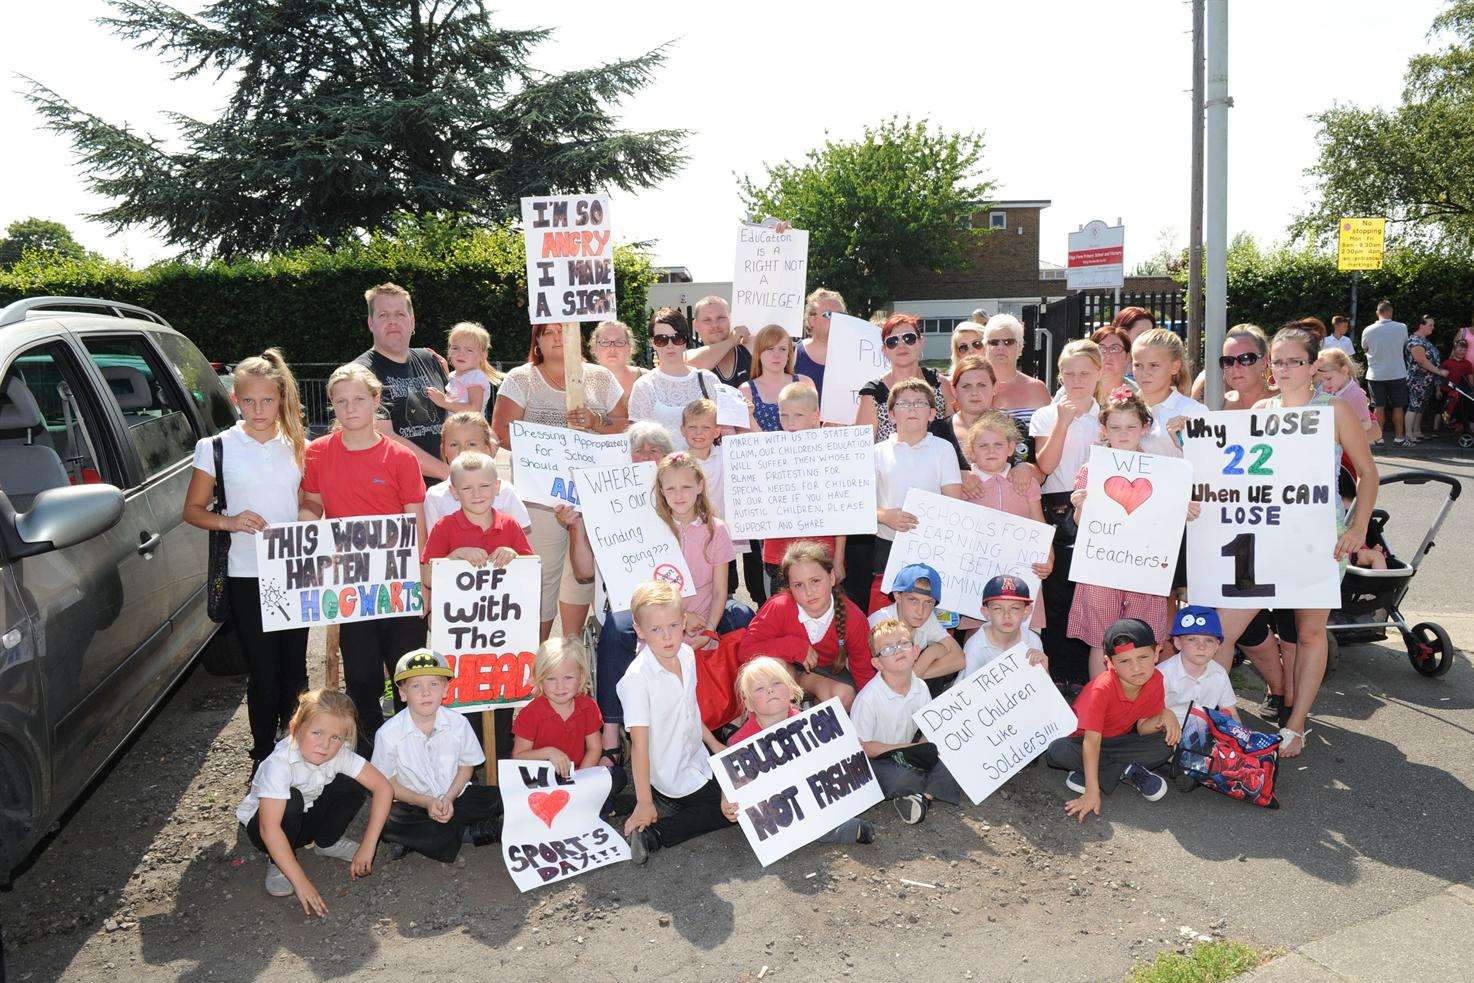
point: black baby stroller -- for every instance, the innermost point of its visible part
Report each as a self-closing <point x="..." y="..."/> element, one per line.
<point x="1370" y="599"/>
<point x="1458" y="408"/>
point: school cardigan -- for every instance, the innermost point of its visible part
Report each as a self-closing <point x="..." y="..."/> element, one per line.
<point x="776" y="631"/>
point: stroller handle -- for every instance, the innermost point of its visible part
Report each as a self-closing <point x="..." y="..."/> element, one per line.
<point x="1455" y="488"/>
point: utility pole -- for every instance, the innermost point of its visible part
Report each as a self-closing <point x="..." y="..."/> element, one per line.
<point x="1195" y="221"/>
<point x="1216" y="191"/>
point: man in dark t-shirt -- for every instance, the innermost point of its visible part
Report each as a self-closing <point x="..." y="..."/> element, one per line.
<point x="410" y="417"/>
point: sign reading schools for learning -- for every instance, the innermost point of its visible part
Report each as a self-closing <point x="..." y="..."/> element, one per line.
<point x="484" y="620"/>
<point x="335" y="570"/>
<point x="1360" y="243"/>
<point x="1266" y="536"/>
<point x="570" y="258"/>
<point x="768" y="284"/>
<point x="797" y="780"/>
<point x="1131" y="525"/>
<point x="543" y="459"/>
<point x="817" y="482"/>
<point x="631" y="543"/>
<point x="551" y="829"/>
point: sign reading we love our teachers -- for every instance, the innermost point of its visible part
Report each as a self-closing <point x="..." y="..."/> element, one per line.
<point x="1131" y="525"/>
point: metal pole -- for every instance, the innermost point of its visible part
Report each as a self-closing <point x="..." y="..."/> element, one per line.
<point x="1215" y="204"/>
<point x="1355" y="282"/>
<point x="1195" y="222"/>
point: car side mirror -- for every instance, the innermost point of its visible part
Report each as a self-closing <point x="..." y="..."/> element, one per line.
<point x="62" y="517"/>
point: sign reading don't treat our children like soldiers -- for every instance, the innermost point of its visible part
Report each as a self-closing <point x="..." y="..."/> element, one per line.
<point x="335" y="570"/>
<point x="570" y="258"/>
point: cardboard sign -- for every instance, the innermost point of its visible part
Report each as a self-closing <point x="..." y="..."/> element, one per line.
<point x="855" y="358"/>
<point x="818" y="482"/>
<point x="1266" y="537"/>
<point x="1131" y="526"/>
<point x="336" y="570"/>
<point x="990" y="725"/>
<point x="551" y="829"/>
<point x="485" y="621"/>
<point x="968" y="545"/>
<point x="543" y="459"/>
<point x="797" y="780"/>
<point x="732" y="409"/>
<point x="631" y="543"/>
<point x="570" y="258"/>
<point x="768" y="285"/>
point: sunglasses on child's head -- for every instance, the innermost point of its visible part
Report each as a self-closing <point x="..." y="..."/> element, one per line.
<point x="908" y="338"/>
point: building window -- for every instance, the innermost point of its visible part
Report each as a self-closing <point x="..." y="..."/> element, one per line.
<point x="997" y="220"/>
<point x="940" y="325"/>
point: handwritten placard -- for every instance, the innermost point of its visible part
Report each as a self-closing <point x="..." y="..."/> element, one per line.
<point x="543" y="459"/>
<point x="552" y="830"/>
<point x="631" y="543"/>
<point x="768" y="283"/>
<point x="732" y="409"/>
<point x="485" y="620"/>
<point x="991" y="724"/>
<point x="855" y="358"/>
<point x="817" y="482"/>
<point x="1131" y="525"/>
<point x="335" y="570"/>
<point x="570" y="258"/>
<point x="797" y="780"/>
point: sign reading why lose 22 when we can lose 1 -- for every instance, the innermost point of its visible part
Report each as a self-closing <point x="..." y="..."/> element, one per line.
<point x="570" y="258"/>
<point x="335" y="570"/>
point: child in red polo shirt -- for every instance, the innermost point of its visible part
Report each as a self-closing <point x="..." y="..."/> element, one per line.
<point x="562" y="723"/>
<point x="1120" y="712"/>
<point x="476" y="532"/>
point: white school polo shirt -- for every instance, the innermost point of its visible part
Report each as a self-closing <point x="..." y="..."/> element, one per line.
<point x="439" y="503"/>
<point x="881" y="714"/>
<point x="1157" y="440"/>
<point x="656" y="698"/>
<point x="285" y="769"/>
<point x="426" y="763"/>
<point x="979" y="651"/>
<point x="262" y="477"/>
<point x="931" y="629"/>
<point x="1084" y="432"/>
<point x="927" y="464"/>
<point x="1211" y="689"/>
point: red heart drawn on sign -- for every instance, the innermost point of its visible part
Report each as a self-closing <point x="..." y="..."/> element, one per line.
<point x="546" y="805"/>
<point x="1129" y="494"/>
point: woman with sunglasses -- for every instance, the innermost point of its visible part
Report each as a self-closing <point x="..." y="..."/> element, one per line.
<point x="901" y="337"/>
<point x="967" y="340"/>
<point x="812" y="354"/>
<point x="1015" y="393"/>
<point x="612" y="345"/>
<point x="662" y="395"/>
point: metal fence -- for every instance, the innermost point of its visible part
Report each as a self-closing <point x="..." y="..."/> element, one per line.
<point x="312" y="386"/>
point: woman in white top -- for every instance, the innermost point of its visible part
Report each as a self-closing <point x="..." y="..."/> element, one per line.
<point x="663" y="394"/>
<point x="535" y="392"/>
<point x="261" y="457"/>
<point x="1159" y="363"/>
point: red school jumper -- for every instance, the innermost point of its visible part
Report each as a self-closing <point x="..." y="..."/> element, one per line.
<point x="776" y="631"/>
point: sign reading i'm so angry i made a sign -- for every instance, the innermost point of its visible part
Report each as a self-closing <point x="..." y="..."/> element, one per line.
<point x="570" y="258"/>
<point x="335" y="570"/>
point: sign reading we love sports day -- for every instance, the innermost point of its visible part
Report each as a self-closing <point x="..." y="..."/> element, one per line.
<point x="1131" y="525"/>
<point x="570" y="258"/>
<point x="768" y="283"/>
<point x="1266" y="536"/>
<point x="818" y="482"/>
<point x="551" y="829"/>
<point x="543" y="459"/>
<point x="485" y="621"/>
<point x="335" y="570"/>
<point x="631" y="543"/>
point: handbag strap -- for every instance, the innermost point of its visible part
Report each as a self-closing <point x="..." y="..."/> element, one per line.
<point x="219" y="449"/>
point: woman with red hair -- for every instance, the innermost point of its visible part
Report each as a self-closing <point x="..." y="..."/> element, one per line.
<point x="901" y="337"/>
<point x="1134" y="321"/>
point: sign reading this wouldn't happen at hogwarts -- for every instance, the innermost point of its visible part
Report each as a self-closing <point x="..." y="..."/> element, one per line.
<point x="336" y="570"/>
<point x="570" y="258"/>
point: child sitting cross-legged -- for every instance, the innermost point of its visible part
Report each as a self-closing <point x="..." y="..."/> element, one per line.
<point x="915" y="594"/>
<point x="1193" y="676"/>
<point x="1120" y="712"/>
<point x="428" y="753"/>
<point x="910" y="772"/>
<point x="562" y="723"/>
<point x="1006" y="605"/>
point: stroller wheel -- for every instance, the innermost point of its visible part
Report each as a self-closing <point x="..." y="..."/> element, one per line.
<point x="1466" y="440"/>
<point x="1429" y="649"/>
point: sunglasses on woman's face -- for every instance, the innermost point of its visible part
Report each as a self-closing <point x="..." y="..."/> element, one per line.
<point x="972" y="346"/>
<point x="661" y="340"/>
<point x="1002" y="342"/>
<point x="1246" y="359"/>
<point x="896" y="340"/>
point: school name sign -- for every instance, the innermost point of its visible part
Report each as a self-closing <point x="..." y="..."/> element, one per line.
<point x="334" y="570"/>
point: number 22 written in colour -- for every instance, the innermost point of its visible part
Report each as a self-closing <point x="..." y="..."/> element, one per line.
<point x="1262" y="453"/>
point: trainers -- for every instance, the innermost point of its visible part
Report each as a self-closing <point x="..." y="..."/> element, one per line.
<point x="1075" y="782"/>
<point x="1272" y="708"/>
<point x="1144" y="780"/>
<point x="277" y="884"/>
<point x="390" y="852"/>
<point x="481" y="833"/>
<point x="866" y="832"/>
<point x="912" y="809"/>
<point x="639" y="848"/>
<point x="344" y="849"/>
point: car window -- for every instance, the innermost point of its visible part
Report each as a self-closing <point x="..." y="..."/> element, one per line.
<point x="158" y="424"/>
<point x="47" y="435"/>
<point x="198" y="377"/>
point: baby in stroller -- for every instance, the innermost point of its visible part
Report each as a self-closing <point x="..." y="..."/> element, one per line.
<point x="1459" y="392"/>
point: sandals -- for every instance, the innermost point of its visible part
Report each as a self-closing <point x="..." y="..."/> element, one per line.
<point x="1286" y="736"/>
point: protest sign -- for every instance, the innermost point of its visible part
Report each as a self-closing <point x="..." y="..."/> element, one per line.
<point x="570" y="258"/>
<point x="1266" y="537"/>
<point x="485" y="621"/>
<point x="543" y="459"/>
<point x="631" y="543"/>
<point x="1131" y="525"/>
<point x="335" y="570"/>
<point x="797" y="780"/>
<point x="551" y="829"/>
<point x="968" y="545"/>
<point x="855" y="358"/>
<point x="732" y="410"/>
<point x="818" y="482"/>
<point x="768" y="285"/>
<point x="990" y="725"/>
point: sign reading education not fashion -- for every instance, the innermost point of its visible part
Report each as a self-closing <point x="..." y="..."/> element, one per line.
<point x="551" y="829"/>
<point x="768" y="283"/>
<point x="1266" y="537"/>
<point x="968" y="545"/>
<point x="631" y="543"/>
<point x="335" y="570"/>
<point x="817" y="482"/>
<point x="1131" y="525"/>
<point x="797" y="780"/>
<point x="855" y="357"/>
<point x="543" y="459"/>
<point x="570" y="258"/>
<point x="990" y="725"/>
<point x="485" y="620"/>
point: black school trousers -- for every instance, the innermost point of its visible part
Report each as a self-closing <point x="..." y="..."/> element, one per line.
<point x="276" y="661"/>
<point x="323" y="824"/>
<point x="412" y="826"/>
<point x="1147" y="750"/>
<point x="690" y="815"/>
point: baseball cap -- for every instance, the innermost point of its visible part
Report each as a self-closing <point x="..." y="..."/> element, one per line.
<point x="1005" y="587"/>
<point x="1127" y="634"/>
<point x="1197" y="620"/>
<point x="911" y="573"/>
<point x="422" y="662"/>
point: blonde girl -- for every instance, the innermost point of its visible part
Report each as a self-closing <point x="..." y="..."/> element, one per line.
<point x="1064" y="429"/>
<point x="473" y="380"/>
<point x="989" y="445"/>
<point x="307" y="791"/>
<point x="1336" y="375"/>
<point x="261" y="457"/>
<point x="1160" y="368"/>
<point x="772" y="370"/>
<point x="561" y="724"/>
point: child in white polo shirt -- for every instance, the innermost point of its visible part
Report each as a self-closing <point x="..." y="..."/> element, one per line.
<point x="915" y="594"/>
<point x="428" y="753"/>
<point x="1006" y="604"/>
<point x="910" y="772"/>
<point x="669" y="745"/>
<point x="1193" y="676"/>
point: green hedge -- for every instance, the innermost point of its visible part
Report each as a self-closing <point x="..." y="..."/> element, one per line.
<point x="310" y="302"/>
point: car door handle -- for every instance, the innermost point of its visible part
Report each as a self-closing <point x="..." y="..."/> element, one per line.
<point x="148" y="542"/>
